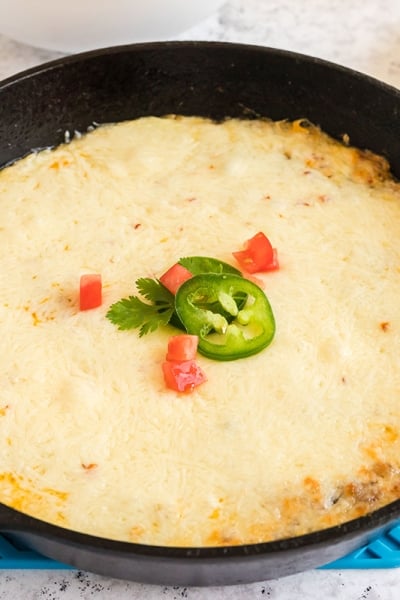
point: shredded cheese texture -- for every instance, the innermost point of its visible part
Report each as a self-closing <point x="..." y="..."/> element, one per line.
<point x="300" y="437"/>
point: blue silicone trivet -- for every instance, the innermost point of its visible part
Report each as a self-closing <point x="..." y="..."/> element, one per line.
<point x="15" y="556"/>
<point x="383" y="552"/>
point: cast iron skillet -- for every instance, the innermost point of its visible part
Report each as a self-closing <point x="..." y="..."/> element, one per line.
<point x="214" y="80"/>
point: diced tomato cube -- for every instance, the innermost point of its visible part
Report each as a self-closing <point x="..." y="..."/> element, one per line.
<point x="90" y="291"/>
<point x="258" y="255"/>
<point x="182" y="347"/>
<point x="183" y="376"/>
<point x="174" y="277"/>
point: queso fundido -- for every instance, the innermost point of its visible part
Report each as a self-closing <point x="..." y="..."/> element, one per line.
<point x="298" y="437"/>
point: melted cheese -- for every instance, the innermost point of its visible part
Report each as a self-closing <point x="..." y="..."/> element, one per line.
<point x="301" y="436"/>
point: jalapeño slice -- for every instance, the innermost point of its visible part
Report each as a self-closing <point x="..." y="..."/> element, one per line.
<point x="231" y="315"/>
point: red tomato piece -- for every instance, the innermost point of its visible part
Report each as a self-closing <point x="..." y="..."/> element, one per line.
<point x="90" y="291"/>
<point x="258" y="255"/>
<point x="174" y="277"/>
<point x="183" y="376"/>
<point x="182" y="347"/>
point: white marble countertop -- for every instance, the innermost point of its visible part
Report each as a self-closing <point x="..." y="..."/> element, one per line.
<point x="363" y="35"/>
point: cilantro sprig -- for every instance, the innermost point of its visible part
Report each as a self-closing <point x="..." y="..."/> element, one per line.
<point x="155" y="305"/>
<point x="147" y="314"/>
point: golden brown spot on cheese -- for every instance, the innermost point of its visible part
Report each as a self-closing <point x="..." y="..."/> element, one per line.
<point x="391" y="434"/>
<point x="22" y="494"/>
<point x="301" y="126"/>
<point x="56" y="493"/>
<point x="35" y="318"/>
<point x="136" y="533"/>
<point x="319" y="162"/>
<point x="313" y="488"/>
<point x="220" y="537"/>
<point x="61" y="519"/>
<point x="291" y="507"/>
<point x="214" y="514"/>
<point x="89" y="466"/>
<point x="57" y="164"/>
<point x="368" y="167"/>
<point x="4" y="409"/>
<point x="372" y="451"/>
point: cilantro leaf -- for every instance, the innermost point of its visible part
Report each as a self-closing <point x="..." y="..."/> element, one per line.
<point x="154" y="291"/>
<point x="198" y="265"/>
<point x="133" y="312"/>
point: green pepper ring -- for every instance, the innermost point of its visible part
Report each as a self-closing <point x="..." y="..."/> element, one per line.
<point x="248" y="331"/>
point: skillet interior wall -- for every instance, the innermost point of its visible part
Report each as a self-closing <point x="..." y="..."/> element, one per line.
<point x="208" y="79"/>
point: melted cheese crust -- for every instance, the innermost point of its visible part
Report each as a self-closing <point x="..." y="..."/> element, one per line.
<point x="302" y="436"/>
